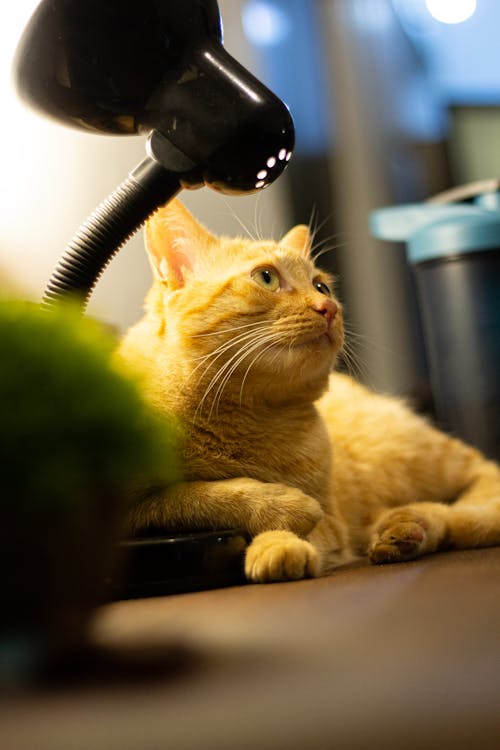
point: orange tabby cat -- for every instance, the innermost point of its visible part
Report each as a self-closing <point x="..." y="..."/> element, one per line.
<point x="238" y="342"/>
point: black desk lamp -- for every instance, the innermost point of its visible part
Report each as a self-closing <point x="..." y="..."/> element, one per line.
<point x="158" y="68"/>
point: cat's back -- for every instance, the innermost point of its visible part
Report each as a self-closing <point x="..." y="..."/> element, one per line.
<point x="378" y="446"/>
<point x="361" y="422"/>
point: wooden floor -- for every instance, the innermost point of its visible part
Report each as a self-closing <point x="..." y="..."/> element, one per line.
<point x="403" y="656"/>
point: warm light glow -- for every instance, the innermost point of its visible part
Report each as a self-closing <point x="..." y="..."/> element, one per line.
<point x="451" y="11"/>
<point x="20" y="153"/>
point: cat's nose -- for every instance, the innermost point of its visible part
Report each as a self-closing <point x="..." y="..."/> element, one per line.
<point x="326" y="307"/>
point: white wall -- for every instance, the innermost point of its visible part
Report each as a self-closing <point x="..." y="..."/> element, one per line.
<point x="51" y="177"/>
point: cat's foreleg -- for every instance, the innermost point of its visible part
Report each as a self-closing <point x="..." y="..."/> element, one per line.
<point x="408" y="532"/>
<point x="241" y="502"/>
<point x="472" y="520"/>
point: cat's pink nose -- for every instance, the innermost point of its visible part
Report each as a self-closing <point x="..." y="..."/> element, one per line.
<point x="326" y="307"/>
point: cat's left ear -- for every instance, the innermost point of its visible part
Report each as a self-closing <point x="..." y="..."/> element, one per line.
<point x="174" y="242"/>
<point x="298" y="240"/>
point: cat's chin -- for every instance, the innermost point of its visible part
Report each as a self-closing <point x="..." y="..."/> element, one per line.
<point x="328" y="343"/>
<point x="313" y="357"/>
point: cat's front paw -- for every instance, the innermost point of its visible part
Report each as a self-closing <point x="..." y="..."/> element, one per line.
<point x="280" y="556"/>
<point x="401" y="535"/>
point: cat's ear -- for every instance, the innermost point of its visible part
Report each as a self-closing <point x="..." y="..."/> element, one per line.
<point x="174" y="241"/>
<point x="298" y="240"/>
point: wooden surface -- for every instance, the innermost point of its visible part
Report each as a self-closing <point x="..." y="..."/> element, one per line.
<point x="403" y="656"/>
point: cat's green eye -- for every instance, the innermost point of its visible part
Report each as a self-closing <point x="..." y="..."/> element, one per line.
<point x="322" y="288"/>
<point x="267" y="278"/>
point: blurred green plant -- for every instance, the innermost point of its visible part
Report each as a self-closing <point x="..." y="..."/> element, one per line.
<point x="70" y="422"/>
<point x="76" y="439"/>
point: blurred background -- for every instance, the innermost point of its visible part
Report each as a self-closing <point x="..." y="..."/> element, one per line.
<point x="393" y="100"/>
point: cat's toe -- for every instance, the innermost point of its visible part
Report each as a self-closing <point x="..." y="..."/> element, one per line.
<point x="280" y="556"/>
<point x="398" y="540"/>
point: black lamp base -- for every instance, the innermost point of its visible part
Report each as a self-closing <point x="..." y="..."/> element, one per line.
<point x="179" y="563"/>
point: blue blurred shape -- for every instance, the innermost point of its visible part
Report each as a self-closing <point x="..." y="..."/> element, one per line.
<point x="265" y="23"/>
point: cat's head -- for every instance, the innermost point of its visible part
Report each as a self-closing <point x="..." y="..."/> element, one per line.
<point x="243" y="309"/>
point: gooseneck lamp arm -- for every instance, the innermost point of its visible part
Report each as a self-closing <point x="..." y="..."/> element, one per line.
<point x="107" y="229"/>
<point x="155" y="68"/>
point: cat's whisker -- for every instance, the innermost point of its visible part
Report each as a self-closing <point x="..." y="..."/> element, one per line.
<point x="355" y="358"/>
<point x="315" y="228"/>
<point x="225" y="378"/>
<point x="238" y="356"/>
<point x="325" y="250"/>
<point x="334" y="236"/>
<point x="230" y="330"/>
<point x="355" y="364"/>
<point x="219" y="374"/>
<point x="225" y="373"/>
<point x="239" y="220"/>
<point x="236" y="365"/>
<point x="254" y="360"/>
<point x="257" y="218"/>
<point x="224" y="347"/>
<point x="241" y="337"/>
<point x="233" y="364"/>
<point x="312" y="221"/>
<point x="275" y="339"/>
<point x="215" y="354"/>
<point x="367" y="342"/>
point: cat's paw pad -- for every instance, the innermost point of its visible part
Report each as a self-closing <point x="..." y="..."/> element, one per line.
<point x="280" y="556"/>
<point x="402" y="535"/>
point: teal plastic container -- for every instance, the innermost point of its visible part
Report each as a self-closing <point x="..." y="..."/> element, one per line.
<point x="454" y="250"/>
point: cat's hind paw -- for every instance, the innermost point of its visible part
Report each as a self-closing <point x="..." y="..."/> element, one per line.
<point x="400" y="536"/>
<point x="280" y="556"/>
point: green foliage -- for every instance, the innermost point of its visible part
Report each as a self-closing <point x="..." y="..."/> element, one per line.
<point x="72" y="428"/>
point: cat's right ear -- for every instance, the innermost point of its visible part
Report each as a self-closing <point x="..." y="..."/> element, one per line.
<point x="298" y="240"/>
<point x="174" y="241"/>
